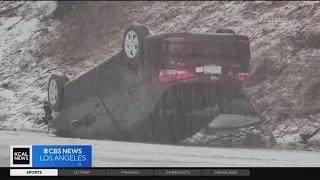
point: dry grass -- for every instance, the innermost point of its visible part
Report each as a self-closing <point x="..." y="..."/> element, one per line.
<point x="11" y="9"/>
<point x="268" y="64"/>
<point x="310" y="37"/>
<point x="309" y="98"/>
<point x="85" y="32"/>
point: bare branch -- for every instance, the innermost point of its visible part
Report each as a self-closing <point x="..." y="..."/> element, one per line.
<point x="45" y="30"/>
<point x="23" y="16"/>
<point x="6" y="10"/>
<point x="306" y="137"/>
<point x="39" y="9"/>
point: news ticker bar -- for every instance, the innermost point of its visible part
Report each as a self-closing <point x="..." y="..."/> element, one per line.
<point x="130" y="172"/>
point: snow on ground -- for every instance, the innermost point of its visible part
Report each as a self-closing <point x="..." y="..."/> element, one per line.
<point x="123" y="154"/>
<point x="22" y="72"/>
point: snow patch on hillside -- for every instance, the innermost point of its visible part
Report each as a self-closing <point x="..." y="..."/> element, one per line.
<point x="22" y="72"/>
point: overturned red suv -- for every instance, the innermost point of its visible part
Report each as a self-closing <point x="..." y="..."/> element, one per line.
<point x="159" y="88"/>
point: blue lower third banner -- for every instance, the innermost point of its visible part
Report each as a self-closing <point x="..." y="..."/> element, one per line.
<point x="56" y="156"/>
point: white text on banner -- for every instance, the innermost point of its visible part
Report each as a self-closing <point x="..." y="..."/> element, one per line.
<point x="33" y="172"/>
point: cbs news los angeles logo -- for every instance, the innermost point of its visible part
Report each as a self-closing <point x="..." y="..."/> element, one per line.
<point x="21" y="156"/>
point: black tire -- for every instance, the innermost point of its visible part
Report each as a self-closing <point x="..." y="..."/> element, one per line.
<point x="225" y="30"/>
<point x="141" y="31"/>
<point x="60" y="80"/>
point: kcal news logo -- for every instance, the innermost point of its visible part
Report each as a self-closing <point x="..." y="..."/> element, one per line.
<point x="20" y="156"/>
<point x="51" y="156"/>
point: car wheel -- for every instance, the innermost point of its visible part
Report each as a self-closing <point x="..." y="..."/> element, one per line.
<point x="132" y="44"/>
<point x="55" y="90"/>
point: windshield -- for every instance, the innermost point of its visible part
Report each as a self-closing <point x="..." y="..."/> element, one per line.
<point x="240" y="113"/>
<point x="229" y="121"/>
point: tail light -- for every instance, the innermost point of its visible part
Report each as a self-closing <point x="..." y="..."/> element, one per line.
<point x="243" y="77"/>
<point x="166" y="76"/>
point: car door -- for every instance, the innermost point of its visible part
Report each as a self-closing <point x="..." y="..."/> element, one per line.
<point x="118" y="89"/>
<point x="81" y="94"/>
<point x="83" y="101"/>
<point x="134" y="111"/>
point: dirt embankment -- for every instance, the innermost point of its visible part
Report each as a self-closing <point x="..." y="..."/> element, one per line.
<point x="285" y="75"/>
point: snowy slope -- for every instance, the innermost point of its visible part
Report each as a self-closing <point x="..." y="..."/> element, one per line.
<point x="25" y="70"/>
<point x="22" y="71"/>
